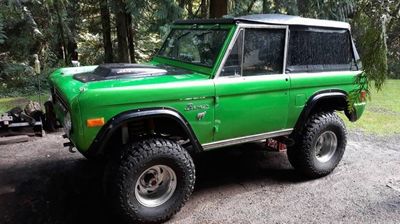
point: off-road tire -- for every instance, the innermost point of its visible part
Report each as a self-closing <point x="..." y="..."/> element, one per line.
<point x="125" y="168"/>
<point x="302" y="155"/>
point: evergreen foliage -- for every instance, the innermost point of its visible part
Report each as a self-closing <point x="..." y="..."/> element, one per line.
<point x="2" y="34"/>
<point x="59" y="30"/>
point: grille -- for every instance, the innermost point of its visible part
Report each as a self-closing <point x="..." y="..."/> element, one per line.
<point x="57" y="98"/>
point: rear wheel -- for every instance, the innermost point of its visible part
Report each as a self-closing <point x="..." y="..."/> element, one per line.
<point x="150" y="180"/>
<point x="320" y="146"/>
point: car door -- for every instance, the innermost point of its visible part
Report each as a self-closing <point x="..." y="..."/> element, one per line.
<point x="251" y="88"/>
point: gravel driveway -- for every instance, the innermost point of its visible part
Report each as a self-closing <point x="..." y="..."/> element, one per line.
<point x="41" y="182"/>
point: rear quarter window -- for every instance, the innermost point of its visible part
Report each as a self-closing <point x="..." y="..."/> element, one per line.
<point x="316" y="50"/>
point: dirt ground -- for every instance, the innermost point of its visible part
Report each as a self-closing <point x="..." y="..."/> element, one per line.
<point x="41" y="182"/>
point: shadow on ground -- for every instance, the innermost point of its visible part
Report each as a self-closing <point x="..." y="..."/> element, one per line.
<point x="70" y="191"/>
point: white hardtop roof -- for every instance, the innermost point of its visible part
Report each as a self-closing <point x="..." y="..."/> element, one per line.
<point x="292" y="20"/>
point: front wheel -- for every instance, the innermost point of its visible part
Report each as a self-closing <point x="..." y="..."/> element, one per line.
<point x="320" y="146"/>
<point x="150" y="180"/>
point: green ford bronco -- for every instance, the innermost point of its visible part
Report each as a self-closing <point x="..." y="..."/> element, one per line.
<point x="213" y="83"/>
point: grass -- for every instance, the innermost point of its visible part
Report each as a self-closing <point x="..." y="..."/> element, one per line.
<point x="381" y="117"/>
<point x="382" y="114"/>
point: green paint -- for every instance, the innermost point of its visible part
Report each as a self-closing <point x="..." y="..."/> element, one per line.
<point x="236" y="107"/>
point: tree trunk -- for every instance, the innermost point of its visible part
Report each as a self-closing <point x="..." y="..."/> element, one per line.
<point x="251" y="6"/>
<point x="203" y="10"/>
<point x="218" y="8"/>
<point x="182" y="4"/>
<point x="62" y="33"/>
<point x="277" y="5"/>
<point x="266" y="6"/>
<point x="130" y="36"/>
<point x="106" y="26"/>
<point x="72" y="30"/>
<point x="120" y="14"/>
<point x="190" y="9"/>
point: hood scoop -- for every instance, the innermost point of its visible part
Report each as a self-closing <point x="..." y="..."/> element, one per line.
<point x="120" y="71"/>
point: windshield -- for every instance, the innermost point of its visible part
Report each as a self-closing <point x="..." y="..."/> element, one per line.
<point x="194" y="46"/>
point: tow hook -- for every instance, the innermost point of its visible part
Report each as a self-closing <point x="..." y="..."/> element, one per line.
<point x="70" y="147"/>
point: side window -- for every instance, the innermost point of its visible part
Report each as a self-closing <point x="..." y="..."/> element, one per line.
<point x="314" y="50"/>
<point x="233" y="65"/>
<point x="263" y="51"/>
<point x="261" y="54"/>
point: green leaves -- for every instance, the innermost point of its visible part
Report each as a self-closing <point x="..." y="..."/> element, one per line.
<point x="370" y="24"/>
<point x="151" y="20"/>
<point x="363" y="84"/>
<point x="151" y="14"/>
<point x="373" y="48"/>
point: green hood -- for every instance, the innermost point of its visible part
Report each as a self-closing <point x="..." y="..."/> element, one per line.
<point x="70" y="82"/>
<point x="65" y="85"/>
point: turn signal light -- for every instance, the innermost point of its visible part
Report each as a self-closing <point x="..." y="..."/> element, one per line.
<point x="363" y="95"/>
<point x="95" y="122"/>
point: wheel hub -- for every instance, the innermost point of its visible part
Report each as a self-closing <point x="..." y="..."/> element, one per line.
<point x="325" y="146"/>
<point x="155" y="186"/>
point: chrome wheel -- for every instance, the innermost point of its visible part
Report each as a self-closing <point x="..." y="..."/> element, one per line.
<point x="155" y="186"/>
<point x="325" y="146"/>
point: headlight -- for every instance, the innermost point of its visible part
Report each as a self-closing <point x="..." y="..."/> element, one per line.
<point x="67" y="124"/>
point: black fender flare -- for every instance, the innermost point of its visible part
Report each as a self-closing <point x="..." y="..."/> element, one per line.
<point x="319" y="97"/>
<point x="105" y="133"/>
